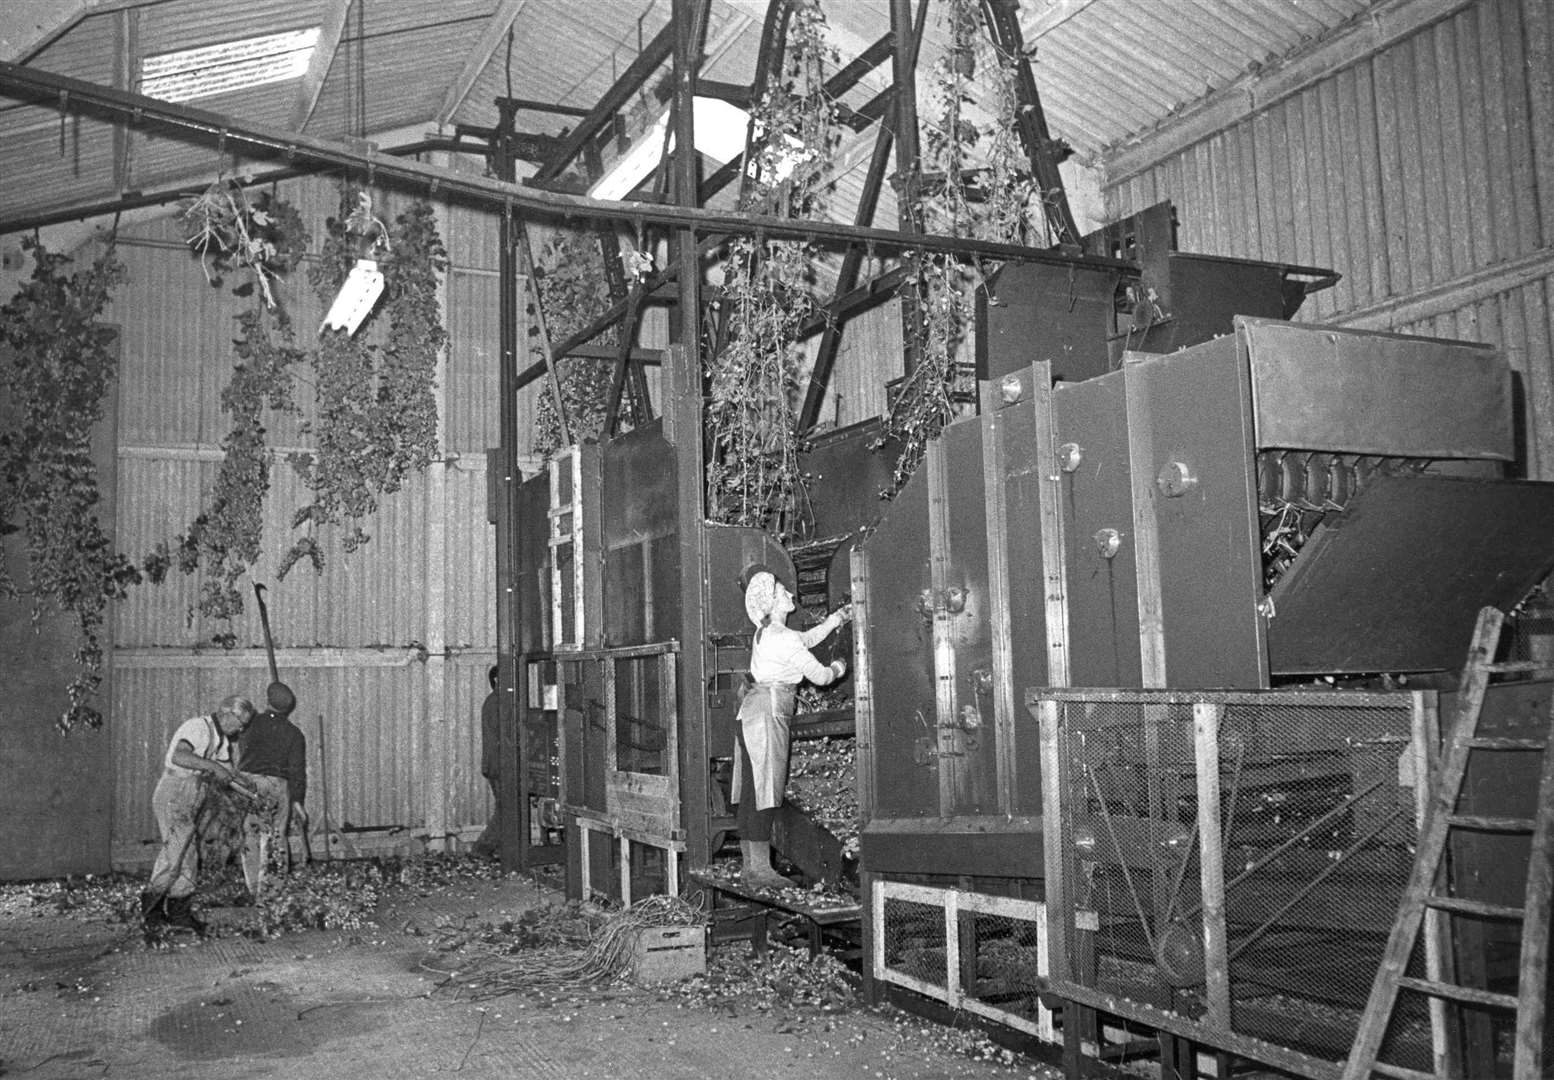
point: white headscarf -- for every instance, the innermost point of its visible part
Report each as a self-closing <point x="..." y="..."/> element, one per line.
<point x="761" y="597"/>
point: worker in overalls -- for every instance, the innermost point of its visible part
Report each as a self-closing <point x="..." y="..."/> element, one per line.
<point x="779" y="660"/>
<point x="200" y="753"/>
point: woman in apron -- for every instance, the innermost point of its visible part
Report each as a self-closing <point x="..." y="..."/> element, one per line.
<point x="779" y="660"/>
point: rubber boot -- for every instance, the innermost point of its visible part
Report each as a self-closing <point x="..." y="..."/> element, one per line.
<point x="180" y="913"/>
<point x="758" y="872"/>
<point x="151" y="910"/>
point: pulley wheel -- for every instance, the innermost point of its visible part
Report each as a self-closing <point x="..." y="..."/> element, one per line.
<point x="1179" y="954"/>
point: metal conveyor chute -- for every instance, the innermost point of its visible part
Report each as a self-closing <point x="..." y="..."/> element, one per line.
<point x="1394" y="583"/>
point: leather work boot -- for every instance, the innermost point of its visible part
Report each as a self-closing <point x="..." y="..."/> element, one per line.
<point x="757" y="872"/>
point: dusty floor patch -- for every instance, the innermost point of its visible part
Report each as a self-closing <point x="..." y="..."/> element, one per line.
<point x="82" y="998"/>
<point x="261" y="1020"/>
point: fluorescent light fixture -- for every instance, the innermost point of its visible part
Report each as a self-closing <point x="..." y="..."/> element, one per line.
<point x="228" y="66"/>
<point x="361" y="290"/>
<point x="720" y="134"/>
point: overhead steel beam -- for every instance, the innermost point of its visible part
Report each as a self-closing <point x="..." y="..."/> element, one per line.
<point x="526" y="145"/>
<point x="861" y="298"/>
<point x="266" y="142"/>
<point x="1051" y="16"/>
<point x="909" y="164"/>
<point x="620" y="291"/>
<point x="852" y="261"/>
<point x="636" y="73"/>
<point x="1003" y="27"/>
<point x="139" y="200"/>
<point x="39" y="23"/>
<point x="491" y="38"/>
<point x="330" y="31"/>
<point x="546" y="107"/>
<point x="837" y="85"/>
<point x="126" y="53"/>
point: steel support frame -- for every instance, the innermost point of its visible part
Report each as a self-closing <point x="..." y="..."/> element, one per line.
<point x="683" y="414"/>
<point x="684" y="215"/>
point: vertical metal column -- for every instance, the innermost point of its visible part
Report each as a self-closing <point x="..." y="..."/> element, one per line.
<point x="683" y="413"/>
<point x="909" y="164"/>
<point x="509" y="629"/>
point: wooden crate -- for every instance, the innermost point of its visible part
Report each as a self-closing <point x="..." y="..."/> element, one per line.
<point x="662" y="954"/>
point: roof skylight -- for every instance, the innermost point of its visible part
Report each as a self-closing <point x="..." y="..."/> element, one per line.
<point x="229" y="66"/>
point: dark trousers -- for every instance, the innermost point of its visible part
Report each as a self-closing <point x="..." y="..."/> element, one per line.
<point x="753" y="824"/>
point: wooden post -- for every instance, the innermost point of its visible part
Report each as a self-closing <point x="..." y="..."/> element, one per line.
<point x="1533" y="966"/>
<point x="1445" y="1017"/>
<point x="1211" y="865"/>
<point x="683" y="426"/>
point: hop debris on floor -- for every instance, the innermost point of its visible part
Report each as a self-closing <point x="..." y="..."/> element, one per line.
<point x="420" y="967"/>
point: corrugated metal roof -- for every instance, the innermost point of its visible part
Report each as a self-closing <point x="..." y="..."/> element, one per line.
<point x="1107" y="69"/>
<point x="1115" y="68"/>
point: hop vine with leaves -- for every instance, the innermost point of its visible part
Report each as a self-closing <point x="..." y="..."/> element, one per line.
<point x="377" y="407"/>
<point x="976" y="183"/>
<point x="228" y="231"/>
<point x="224" y="537"/>
<point x="573" y="289"/>
<point x="59" y="365"/>
<point x="767" y="296"/>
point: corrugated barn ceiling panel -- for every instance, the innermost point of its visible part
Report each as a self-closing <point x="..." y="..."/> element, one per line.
<point x="188" y="24"/>
<point x="407" y="74"/>
<point x="1108" y="69"/>
<point x="1406" y="171"/>
<point x="86" y="52"/>
<point x="1114" y="68"/>
<point x="564" y="54"/>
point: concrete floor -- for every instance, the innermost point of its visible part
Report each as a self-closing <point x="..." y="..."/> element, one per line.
<point x="87" y="999"/>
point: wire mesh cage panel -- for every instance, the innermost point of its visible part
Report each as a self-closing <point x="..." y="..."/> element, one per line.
<point x="1236" y="858"/>
<point x="973" y="951"/>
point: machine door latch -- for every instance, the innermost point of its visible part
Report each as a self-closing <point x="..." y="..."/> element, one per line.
<point x="1108" y="542"/>
<point x="950" y="600"/>
<point x="1175" y="479"/>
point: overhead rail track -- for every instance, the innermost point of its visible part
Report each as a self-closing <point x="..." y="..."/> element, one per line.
<point x="76" y="95"/>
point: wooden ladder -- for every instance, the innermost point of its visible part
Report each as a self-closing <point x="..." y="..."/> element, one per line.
<point x="1420" y="895"/>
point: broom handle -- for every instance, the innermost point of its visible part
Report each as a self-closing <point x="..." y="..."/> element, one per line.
<point x="323" y="766"/>
<point x="269" y="642"/>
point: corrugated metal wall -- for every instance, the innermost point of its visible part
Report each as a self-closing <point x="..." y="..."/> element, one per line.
<point x="387" y="649"/>
<point x="1423" y="172"/>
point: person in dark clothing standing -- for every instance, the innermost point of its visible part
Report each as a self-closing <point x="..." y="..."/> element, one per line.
<point x="273" y="758"/>
<point x="489" y="843"/>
